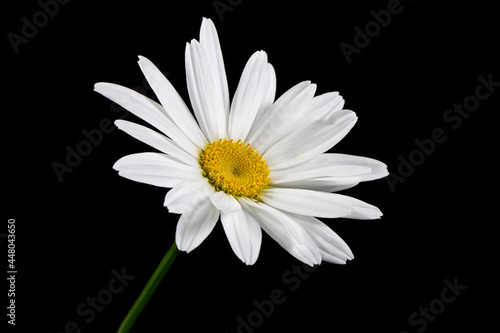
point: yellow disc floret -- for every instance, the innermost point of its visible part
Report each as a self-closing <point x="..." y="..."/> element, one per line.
<point x="234" y="168"/>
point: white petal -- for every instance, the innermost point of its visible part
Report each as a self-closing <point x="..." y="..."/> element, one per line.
<point x="361" y="210"/>
<point x="193" y="227"/>
<point x="306" y="202"/>
<point x="264" y="211"/>
<point x="344" y="173"/>
<point x="347" y="169"/>
<point x="188" y="196"/>
<point x="148" y="110"/>
<point x="312" y="110"/>
<point x="156" y="140"/>
<point x="268" y="99"/>
<point x="225" y="203"/>
<point x="279" y="226"/>
<point x="310" y="141"/>
<point x="275" y="122"/>
<point x="244" y="234"/>
<point x="205" y="93"/>
<point x="320" y="204"/>
<point x="172" y="102"/>
<point x="333" y="248"/>
<point x="155" y="169"/>
<point x="251" y="95"/>
<point x="209" y="41"/>
<point x="331" y="258"/>
<point x="317" y="184"/>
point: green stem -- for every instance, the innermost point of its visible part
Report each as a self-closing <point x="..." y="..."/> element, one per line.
<point x="149" y="289"/>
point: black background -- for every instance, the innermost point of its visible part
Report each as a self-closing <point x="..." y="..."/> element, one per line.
<point x="438" y="224"/>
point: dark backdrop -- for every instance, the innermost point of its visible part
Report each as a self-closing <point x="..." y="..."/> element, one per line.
<point x="406" y="76"/>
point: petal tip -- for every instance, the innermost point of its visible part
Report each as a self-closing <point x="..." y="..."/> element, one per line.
<point x="98" y="86"/>
<point x="142" y="59"/>
<point x="207" y="22"/>
<point x="116" y="166"/>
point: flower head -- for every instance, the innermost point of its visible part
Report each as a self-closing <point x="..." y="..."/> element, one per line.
<point x="257" y="163"/>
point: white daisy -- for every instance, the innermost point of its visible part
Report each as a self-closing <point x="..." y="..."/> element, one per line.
<point x="256" y="163"/>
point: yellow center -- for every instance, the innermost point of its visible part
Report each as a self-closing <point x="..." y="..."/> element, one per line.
<point x="234" y="168"/>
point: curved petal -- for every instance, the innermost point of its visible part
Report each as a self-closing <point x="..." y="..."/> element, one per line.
<point x="310" y="111"/>
<point x="172" y="102"/>
<point x="251" y="96"/>
<point x="188" y="196"/>
<point x="148" y="110"/>
<point x="155" y="169"/>
<point x="244" y="234"/>
<point x="333" y="248"/>
<point x="193" y="227"/>
<point x="225" y="203"/>
<point x="320" y="204"/>
<point x="305" y="202"/>
<point x="270" y="94"/>
<point x="209" y="40"/>
<point x="344" y="173"/>
<point x="156" y="140"/>
<point x="310" y="141"/>
<point x="278" y="225"/>
<point x="274" y="123"/>
<point x="346" y="169"/>
<point x="205" y="93"/>
<point x="317" y="184"/>
<point x="266" y="212"/>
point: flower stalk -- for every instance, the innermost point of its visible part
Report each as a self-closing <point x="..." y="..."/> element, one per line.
<point x="149" y="289"/>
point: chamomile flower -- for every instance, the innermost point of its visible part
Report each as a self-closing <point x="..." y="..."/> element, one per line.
<point x="254" y="164"/>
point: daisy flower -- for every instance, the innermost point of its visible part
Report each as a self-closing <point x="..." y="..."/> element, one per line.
<point x="256" y="163"/>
